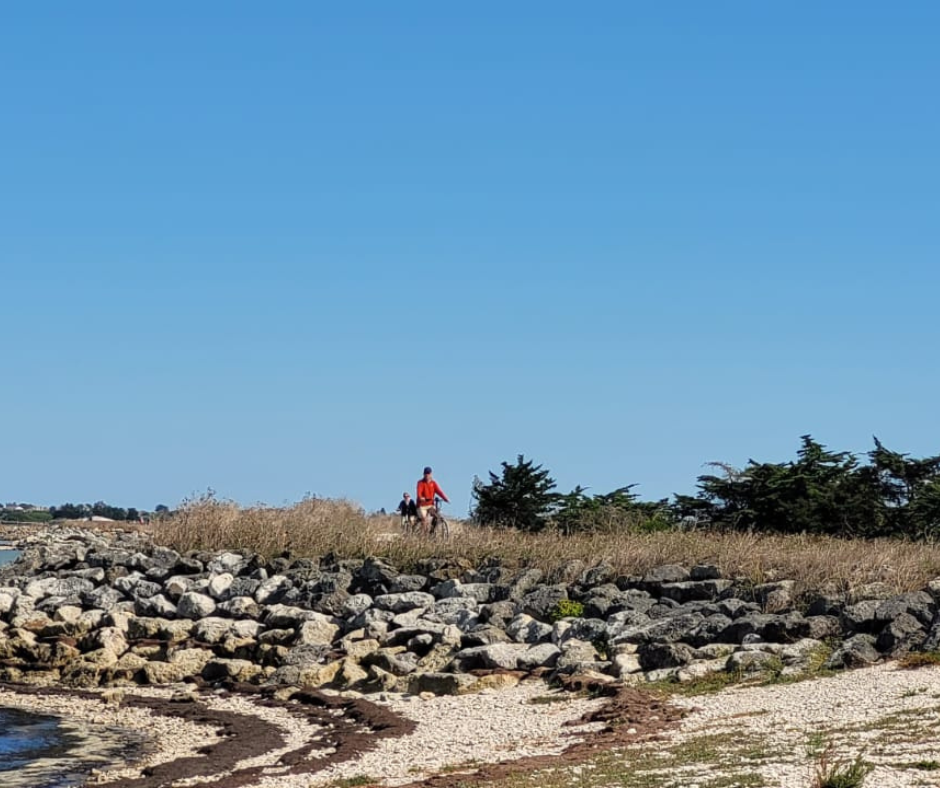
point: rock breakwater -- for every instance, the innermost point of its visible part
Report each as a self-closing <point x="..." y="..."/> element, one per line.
<point x="86" y="610"/>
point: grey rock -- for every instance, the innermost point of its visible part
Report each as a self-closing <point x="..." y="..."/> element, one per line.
<point x="543" y="601"/>
<point x="751" y="661"/>
<point x="399" y="603"/>
<point x="540" y="655"/>
<point x="273" y="590"/>
<point x="212" y="630"/>
<point x="690" y="590"/>
<point x="710" y="630"/>
<point x="589" y="629"/>
<point x="481" y="592"/>
<point x="55" y="586"/>
<point x="496" y="655"/>
<point x="219" y="585"/>
<point x="705" y="572"/>
<point x="668" y="630"/>
<point x="356" y="605"/>
<point x="656" y="656"/>
<point x="157" y="606"/>
<point x="484" y="635"/>
<point x="668" y="573"/>
<point x="525" y="629"/>
<point x="287" y="616"/>
<point x="231" y="563"/>
<point x="903" y="634"/>
<point x="194" y="605"/>
<point x="856" y="652"/>
<point x="861" y="617"/>
<point x="524" y="582"/>
<point x="918" y="604"/>
<point x="404" y="583"/>
<point x="240" y="607"/>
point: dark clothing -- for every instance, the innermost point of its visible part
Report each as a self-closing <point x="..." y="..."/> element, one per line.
<point x="408" y="508"/>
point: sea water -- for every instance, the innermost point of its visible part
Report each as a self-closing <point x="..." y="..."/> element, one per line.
<point x="8" y="556"/>
<point x="42" y="751"/>
<point x="34" y="748"/>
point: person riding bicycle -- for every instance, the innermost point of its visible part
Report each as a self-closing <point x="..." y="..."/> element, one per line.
<point x="408" y="509"/>
<point x="428" y="488"/>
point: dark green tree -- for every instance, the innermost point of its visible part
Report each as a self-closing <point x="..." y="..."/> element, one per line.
<point x="521" y="497"/>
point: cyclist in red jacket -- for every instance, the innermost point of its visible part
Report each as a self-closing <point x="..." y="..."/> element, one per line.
<point x="427" y="490"/>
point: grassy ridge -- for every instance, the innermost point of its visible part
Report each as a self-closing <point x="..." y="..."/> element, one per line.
<point x="315" y="527"/>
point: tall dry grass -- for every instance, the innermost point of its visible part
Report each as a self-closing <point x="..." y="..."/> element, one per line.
<point x="315" y="527"/>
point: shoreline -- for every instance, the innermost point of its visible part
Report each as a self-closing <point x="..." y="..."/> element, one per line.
<point x="288" y="739"/>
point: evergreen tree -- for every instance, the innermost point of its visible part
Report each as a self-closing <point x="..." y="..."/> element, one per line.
<point x="522" y="497"/>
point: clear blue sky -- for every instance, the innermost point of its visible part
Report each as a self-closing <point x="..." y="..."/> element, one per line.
<point x="289" y="247"/>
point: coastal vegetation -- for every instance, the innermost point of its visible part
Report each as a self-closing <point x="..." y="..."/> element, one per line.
<point x="821" y="492"/>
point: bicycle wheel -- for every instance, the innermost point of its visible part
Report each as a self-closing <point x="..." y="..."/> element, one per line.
<point x="441" y="529"/>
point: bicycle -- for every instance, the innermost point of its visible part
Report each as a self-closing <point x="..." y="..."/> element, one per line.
<point x="439" y="527"/>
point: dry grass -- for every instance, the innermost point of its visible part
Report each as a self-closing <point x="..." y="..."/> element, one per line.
<point x="316" y="526"/>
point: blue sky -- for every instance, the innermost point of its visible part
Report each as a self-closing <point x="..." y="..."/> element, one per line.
<point x="304" y="247"/>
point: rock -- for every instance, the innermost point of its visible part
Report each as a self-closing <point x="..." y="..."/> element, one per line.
<point x="904" y="633"/>
<point x="7" y="598"/>
<point x="356" y="605"/>
<point x="751" y="661"/>
<point x="656" y="656"/>
<point x="287" y="616"/>
<point x="404" y="583"/>
<point x="578" y="656"/>
<point x="669" y="630"/>
<point x="230" y="563"/>
<point x="496" y="682"/>
<point x="705" y="572"/>
<point x="856" y="652"/>
<point x="668" y="573"/>
<point x="710" y="630"/>
<point x="240" y="607"/>
<point x="775" y="597"/>
<point x="590" y="629"/>
<point x="440" y="683"/>
<point x="861" y="617"/>
<point x="481" y="592"/>
<point x="272" y="590"/>
<point x="53" y="586"/>
<point x="175" y="587"/>
<point x="350" y="673"/>
<point x="496" y="655"/>
<point x="358" y="649"/>
<point x="408" y="600"/>
<point x="190" y="660"/>
<point x="319" y="631"/>
<point x="157" y="672"/>
<point x="689" y="590"/>
<point x="219" y="585"/>
<point x="542" y="602"/>
<point x="540" y="655"/>
<point x="918" y="604"/>
<point x="525" y="629"/>
<point x="194" y="605"/>
<point x="212" y="629"/>
<point x="483" y="635"/>
<point x="157" y="606"/>
<point x="235" y="669"/>
<point x="627" y="664"/>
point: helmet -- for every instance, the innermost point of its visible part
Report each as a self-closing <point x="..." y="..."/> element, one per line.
<point x="427" y="469"/>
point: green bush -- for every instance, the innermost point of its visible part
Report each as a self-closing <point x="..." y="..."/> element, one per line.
<point x="567" y="608"/>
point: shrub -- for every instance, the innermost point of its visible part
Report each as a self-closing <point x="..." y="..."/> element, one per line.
<point x="566" y="608"/>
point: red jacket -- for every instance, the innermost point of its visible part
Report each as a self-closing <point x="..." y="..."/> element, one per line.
<point x="427" y="491"/>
